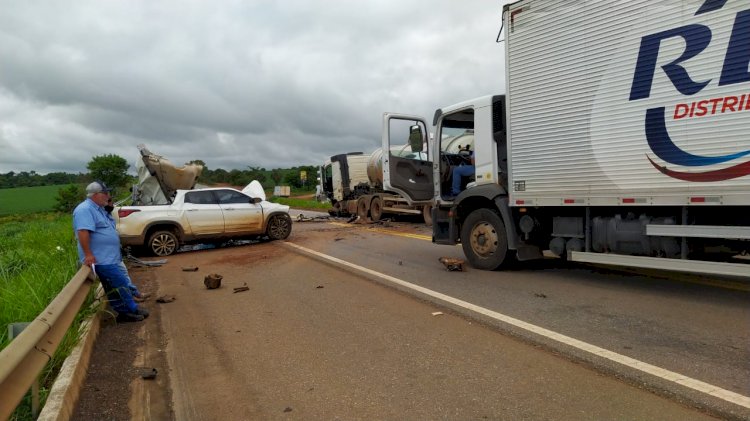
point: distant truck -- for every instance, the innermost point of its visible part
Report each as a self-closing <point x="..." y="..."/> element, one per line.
<point x="353" y="183"/>
<point x="622" y="139"/>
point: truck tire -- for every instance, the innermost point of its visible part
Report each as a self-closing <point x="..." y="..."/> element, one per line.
<point x="484" y="240"/>
<point x="163" y="243"/>
<point x="362" y="210"/>
<point x="279" y="227"/>
<point x="376" y="209"/>
<point x="427" y="215"/>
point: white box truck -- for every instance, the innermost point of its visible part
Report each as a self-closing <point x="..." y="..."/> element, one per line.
<point x="623" y="138"/>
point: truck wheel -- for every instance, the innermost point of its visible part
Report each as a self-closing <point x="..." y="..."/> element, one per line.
<point x="279" y="227"/>
<point x="427" y="215"/>
<point x="362" y="210"/>
<point x="484" y="240"/>
<point x="376" y="209"/>
<point x="163" y="243"/>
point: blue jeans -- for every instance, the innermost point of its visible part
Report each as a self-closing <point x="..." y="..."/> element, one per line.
<point x="133" y="289"/>
<point x="458" y="172"/>
<point x="117" y="287"/>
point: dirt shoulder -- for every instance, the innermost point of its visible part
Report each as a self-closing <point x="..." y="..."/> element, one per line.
<point x="114" y="388"/>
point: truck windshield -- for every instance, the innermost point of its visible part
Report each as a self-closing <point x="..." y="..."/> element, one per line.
<point x="454" y="140"/>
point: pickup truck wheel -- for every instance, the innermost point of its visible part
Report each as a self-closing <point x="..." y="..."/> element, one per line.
<point x="279" y="227"/>
<point x="484" y="240"/>
<point x="163" y="243"/>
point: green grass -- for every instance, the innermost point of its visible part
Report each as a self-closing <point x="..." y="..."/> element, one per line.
<point x="38" y="257"/>
<point x="301" y="203"/>
<point x="26" y="200"/>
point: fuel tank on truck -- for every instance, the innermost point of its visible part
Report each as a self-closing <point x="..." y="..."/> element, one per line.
<point x="375" y="167"/>
<point x="375" y="163"/>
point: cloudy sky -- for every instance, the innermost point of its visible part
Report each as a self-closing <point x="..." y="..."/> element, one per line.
<point x="270" y="84"/>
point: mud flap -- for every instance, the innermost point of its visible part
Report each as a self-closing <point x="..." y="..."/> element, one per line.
<point x="528" y="252"/>
<point x="444" y="229"/>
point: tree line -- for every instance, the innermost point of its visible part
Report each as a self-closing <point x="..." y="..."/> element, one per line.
<point x="32" y="179"/>
<point x="112" y="169"/>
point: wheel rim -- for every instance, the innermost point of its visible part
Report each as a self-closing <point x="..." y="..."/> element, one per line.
<point x="483" y="239"/>
<point x="278" y="227"/>
<point x="163" y="245"/>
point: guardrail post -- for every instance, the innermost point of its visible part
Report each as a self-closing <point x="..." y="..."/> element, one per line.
<point x="15" y="329"/>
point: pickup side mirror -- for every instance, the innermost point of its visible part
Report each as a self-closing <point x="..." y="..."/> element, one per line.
<point x="255" y="200"/>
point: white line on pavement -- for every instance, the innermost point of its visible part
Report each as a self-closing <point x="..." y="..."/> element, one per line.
<point x="723" y="394"/>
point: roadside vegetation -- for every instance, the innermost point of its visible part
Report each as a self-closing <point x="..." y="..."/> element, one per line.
<point x="301" y="203"/>
<point x="38" y="252"/>
<point x="38" y="258"/>
<point x="25" y="200"/>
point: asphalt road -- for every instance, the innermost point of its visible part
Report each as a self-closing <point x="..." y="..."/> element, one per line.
<point x="311" y="341"/>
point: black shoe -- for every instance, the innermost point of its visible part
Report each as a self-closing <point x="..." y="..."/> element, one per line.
<point x="142" y="312"/>
<point x="129" y="317"/>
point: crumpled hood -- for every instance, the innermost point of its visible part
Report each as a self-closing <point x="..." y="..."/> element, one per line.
<point x="255" y="189"/>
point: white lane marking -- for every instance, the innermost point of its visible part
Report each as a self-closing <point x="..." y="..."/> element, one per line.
<point x="709" y="389"/>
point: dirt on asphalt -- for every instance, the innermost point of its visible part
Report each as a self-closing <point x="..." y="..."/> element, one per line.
<point x="115" y="389"/>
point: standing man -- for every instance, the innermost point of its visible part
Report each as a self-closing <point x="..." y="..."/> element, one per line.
<point x="99" y="247"/>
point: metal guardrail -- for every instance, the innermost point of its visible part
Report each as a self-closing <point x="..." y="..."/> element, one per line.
<point x="25" y="357"/>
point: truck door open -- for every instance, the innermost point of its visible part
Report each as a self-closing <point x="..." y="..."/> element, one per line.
<point x="407" y="168"/>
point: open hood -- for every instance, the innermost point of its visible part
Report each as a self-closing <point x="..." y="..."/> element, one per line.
<point x="254" y="189"/>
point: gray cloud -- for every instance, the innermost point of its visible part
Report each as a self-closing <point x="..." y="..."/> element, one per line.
<point x="234" y="83"/>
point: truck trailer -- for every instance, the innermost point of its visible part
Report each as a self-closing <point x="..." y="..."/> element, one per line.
<point x="623" y="138"/>
<point x="353" y="182"/>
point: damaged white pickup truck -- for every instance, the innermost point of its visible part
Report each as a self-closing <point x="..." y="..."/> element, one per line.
<point x="207" y="215"/>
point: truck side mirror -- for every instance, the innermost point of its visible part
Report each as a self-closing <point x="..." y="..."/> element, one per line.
<point x="415" y="138"/>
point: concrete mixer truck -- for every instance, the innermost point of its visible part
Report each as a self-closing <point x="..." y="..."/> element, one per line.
<point x="353" y="182"/>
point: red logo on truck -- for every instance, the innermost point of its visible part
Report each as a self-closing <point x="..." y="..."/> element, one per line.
<point x="735" y="70"/>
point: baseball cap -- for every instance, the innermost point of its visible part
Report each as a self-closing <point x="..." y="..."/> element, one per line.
<point x="97" y="187"/>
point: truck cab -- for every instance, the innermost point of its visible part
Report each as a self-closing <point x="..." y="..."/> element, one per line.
<point x="475" y="126"/>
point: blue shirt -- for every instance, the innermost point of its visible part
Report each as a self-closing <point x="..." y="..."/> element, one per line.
<point x="104" y="240"/>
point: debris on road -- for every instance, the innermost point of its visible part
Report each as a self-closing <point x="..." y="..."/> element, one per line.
<point x="148" y="373"/>
<point x="166" y="298"/>
<point x="452" y="264"/>
<point x="303" y="218"/>
<point x="437" y="313"/>
<point x="190" y="268"/>
<point x="212" y="281"/>
<point x="244" y="287"/>
<point x="138" y="261"/>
